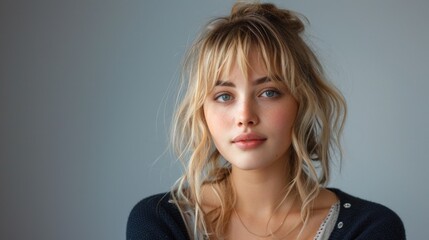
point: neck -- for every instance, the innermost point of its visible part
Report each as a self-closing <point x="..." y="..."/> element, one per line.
<point x="261" y="189"/>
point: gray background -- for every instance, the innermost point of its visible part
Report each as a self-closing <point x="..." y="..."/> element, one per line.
<point x="85" y="102"/>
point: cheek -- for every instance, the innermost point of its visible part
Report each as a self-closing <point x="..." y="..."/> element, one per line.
<point x="281" y="120"/>
<point x="216" y="122"/>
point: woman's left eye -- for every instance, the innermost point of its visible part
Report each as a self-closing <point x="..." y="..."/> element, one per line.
<point x="270" y="93"/>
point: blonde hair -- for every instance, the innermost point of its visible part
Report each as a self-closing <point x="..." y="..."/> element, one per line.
<point x="276" y="35"/>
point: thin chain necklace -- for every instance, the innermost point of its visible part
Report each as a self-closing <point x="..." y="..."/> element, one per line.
<point x="266" y="234"/>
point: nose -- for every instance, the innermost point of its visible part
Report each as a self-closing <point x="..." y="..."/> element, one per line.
<point x="247" y="113"/>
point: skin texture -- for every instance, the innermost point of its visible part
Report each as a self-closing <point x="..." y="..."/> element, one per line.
<point x="250" y="119"/>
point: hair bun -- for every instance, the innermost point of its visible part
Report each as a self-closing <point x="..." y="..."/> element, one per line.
<point x="290" y="19"/>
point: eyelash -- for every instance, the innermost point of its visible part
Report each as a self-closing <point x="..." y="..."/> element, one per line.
<point x="219" y="96"/>
<point x="276" y="93"/>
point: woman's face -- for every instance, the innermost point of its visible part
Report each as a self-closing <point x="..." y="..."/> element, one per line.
<point x="250" y="119"/>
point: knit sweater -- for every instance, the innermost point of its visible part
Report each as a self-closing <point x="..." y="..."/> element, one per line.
<point x="156" y="218"/>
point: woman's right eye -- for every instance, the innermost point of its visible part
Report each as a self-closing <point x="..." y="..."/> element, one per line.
<point x="224" y="97"/>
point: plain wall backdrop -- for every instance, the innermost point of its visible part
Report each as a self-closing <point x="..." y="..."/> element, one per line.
<point x="85" y="106"/>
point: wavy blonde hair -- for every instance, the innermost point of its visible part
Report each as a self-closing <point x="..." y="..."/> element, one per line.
<point x="276" y="35"/>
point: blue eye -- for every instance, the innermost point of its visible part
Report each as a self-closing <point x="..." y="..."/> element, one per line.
<point x="223" y="97"/>
<point x="270" y="94"/>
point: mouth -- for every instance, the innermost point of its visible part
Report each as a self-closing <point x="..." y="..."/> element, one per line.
<point x="245" y="137"/>
<point x="248" y="140"/>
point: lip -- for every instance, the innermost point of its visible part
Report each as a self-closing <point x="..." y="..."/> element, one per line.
<point x="246" y="141"/>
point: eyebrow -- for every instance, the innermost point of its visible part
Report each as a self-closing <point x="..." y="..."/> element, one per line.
<point x="230" y="84"/>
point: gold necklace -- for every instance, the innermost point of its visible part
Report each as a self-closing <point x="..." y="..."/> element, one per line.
<point x="266" y="234"/>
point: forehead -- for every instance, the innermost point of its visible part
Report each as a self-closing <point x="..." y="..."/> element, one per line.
<point x="250" y="63"/>
<point x="250" y="68"/>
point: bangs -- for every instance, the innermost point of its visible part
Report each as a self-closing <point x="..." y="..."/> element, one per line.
<point x="232" y="44"/>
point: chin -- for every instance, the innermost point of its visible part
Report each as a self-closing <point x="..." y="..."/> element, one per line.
<point x="249" y="165"/>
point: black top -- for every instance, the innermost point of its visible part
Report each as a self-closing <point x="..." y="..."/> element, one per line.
<point x="156" y="218"/>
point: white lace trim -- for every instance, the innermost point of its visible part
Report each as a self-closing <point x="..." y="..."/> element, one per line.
<point x="328" y="224"/>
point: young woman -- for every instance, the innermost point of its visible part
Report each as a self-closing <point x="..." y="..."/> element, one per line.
<point x="256" y="129"/>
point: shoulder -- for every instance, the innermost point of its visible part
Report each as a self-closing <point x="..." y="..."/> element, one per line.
<point x="362" y="219"/>
<point x="155" y="217"/>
